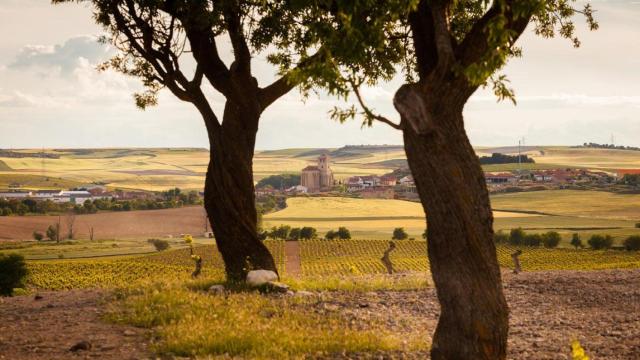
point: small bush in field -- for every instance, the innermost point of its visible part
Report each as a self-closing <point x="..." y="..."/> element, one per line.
<point x="500" y="237"/>
<point x="14" y="270"/>
<point x="638" y="225"/>
<point x="516" y="236"/>
<point x="532" y="240"/>
<point x="551" y="239"/>
<point x="399" y="234"/>
<point x="599" y="242"/>
<point x="632" y="243"/>
<point x="159" y="244"/>
<point x="38" y="236"/>
<point x="576" y="241"/>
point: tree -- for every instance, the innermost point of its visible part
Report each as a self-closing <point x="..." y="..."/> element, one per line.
<point x="71" y="220"/>
<point x="294" y="234"/>
<point x="516" y="236"/>
<point x="14" y="270"/>
<point x="551" y="239"/>
<point x="343" y="233"/>
<point x="599" y="242"/>
<point x="576" y="241"/>
<point x="308" y="233"/>
<point x="155" y="41"/>
<point x="500" y="237"/>
<point x="53" y="232"/>
<point x="282" y="181"/>
<point x="331" y="235"/>
<point x="399" y="234"/>
<point x="632" y="243"/>
<point x="532" y="240"/>
<point x="446" y="50"/>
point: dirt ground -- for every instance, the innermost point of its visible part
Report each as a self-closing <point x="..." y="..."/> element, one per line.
<point x="112" y="225"/>
<point x="548" y="310"/>
<point x="47" y="328"/>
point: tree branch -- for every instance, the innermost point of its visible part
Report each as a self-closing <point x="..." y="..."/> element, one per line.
<point x="284" y="84"/>
<point x="368" y="111"/>
<point x="232" y="16"/>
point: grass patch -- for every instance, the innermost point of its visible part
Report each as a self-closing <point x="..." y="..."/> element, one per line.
<point x="247" y="325"/>
<point x="362" y="283"/>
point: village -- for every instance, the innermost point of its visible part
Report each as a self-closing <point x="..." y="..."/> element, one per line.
<point x="76" y="195"/>
<point x="399" y="184"/>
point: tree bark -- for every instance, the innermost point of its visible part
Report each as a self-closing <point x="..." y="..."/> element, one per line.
<point x="230" y="194"/>
<point x="473" y="322"/>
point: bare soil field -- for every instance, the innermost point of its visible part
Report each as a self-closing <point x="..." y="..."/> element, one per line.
<point x="548" y="310"/>
<point x="112" y="225"/>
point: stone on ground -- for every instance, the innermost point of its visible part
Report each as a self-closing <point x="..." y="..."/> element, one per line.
<point x="260" y="277"/>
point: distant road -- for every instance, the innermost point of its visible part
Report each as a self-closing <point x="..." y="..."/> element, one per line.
<point x="111" y="225"/>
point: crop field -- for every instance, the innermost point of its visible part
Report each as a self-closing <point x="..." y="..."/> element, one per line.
<point x="162" y="168"/>
<point x="169" y="265"/>
<point x="319" y="258"/>
<point x="376" y="218"/>
<point x="356" y="257"/>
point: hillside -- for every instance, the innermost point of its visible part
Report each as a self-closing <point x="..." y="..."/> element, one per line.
<point x="163" y="168"/>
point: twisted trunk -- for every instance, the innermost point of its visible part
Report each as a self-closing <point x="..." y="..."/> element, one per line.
<point x="230" y="195"/>
<point x="473" y="322"/>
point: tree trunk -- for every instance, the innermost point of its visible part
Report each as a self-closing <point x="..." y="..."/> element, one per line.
<point x="473" y="322"/>
<point x="229" y="194"/>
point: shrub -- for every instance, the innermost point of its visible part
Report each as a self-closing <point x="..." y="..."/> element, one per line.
<point x="38" y="236"/>
<point x="532" y="240"/>
<point x="598" y="242"/>
<point x="500" y="237"/>
<point x="53" y="233"/>
<point x="576" y="241"/>
<point x="294" y="234"/>
<point x="331" y="235"/>
<point x="638" y="225"/>
<point x="308" y="233"/>
<point x="516" y="236"/>
<point x="159" y="244"/>
<point x="551" y="239"/>
<point x="632" y="243"/>
<point x="14" y="270"/>
<point x="399" y="234"/>
<point x="344" y="233"/>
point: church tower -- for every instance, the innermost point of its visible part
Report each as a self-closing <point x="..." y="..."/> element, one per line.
<point x="326" y="175"/>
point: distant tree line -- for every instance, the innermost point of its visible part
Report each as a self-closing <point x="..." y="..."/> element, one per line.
<point x="286" y="232"/>
<point x="498" y="158"/>
<point x="630" y="179"/>
<point x="608" y="146"/>
<point x="281" y="181"/>
<point x="551" y="239"/>
<point x="168" y="199"/>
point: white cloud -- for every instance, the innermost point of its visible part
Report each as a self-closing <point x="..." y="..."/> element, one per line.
<point x="65" y="57"/>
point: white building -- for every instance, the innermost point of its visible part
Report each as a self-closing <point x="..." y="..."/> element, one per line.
<point x="15" y="195"/>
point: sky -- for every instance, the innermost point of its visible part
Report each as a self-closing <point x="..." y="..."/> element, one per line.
<point x="51" y="96"/>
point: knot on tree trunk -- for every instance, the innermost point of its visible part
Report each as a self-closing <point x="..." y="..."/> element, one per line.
<point x="410" y="103"/>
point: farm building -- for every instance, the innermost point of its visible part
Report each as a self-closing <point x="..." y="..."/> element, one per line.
<point x="407" y="181"/>
<point x="500" y="178"/>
